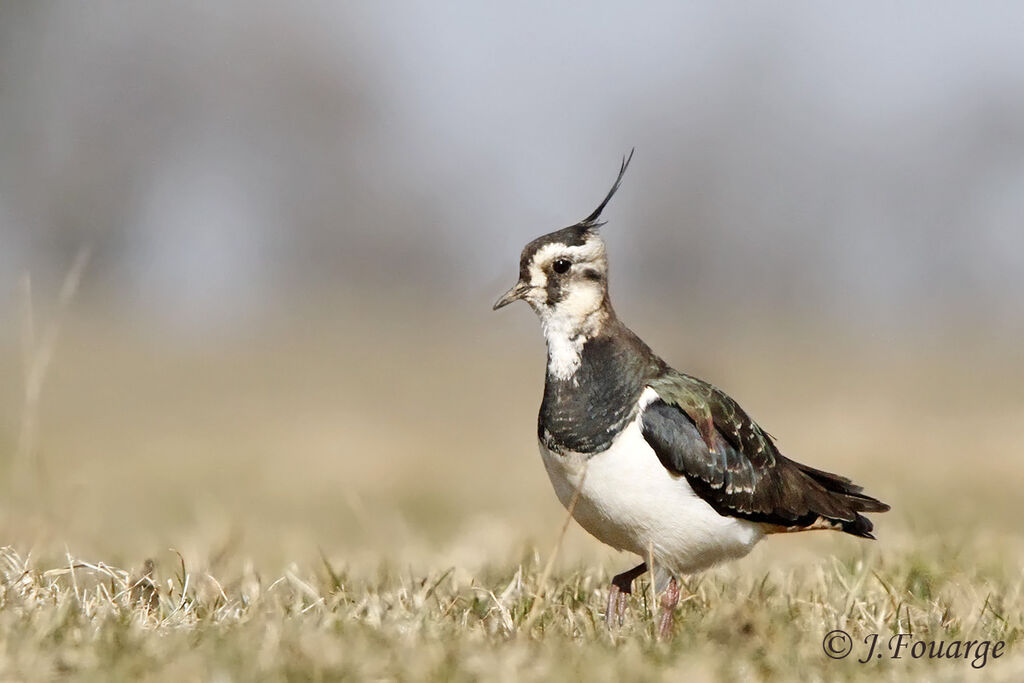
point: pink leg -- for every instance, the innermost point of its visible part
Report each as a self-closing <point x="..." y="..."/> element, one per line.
<point x="622" y="585"/>
<point x="669" y="601"/>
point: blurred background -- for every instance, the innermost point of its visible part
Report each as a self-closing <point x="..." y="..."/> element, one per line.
<point x="298" y="218"/>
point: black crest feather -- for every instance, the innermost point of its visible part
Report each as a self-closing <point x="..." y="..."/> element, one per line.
<point x="591" y="221"/>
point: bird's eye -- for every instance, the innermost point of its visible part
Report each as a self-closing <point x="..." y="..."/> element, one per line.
<point x="561" y="265"/>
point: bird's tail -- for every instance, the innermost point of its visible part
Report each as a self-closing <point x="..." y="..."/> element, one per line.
<point x="846" y="502"/>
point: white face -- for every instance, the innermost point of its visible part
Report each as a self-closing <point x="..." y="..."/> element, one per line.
<point x="568" y="283"/>
<point x="564" y="278"/>
<point x="568" y="289"/>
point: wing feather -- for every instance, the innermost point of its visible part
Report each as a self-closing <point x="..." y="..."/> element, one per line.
<point x="701" y="433"/>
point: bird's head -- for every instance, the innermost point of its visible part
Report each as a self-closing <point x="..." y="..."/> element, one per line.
<point x="564" y="275"/>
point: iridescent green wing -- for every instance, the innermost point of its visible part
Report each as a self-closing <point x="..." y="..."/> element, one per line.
<point x="699" y="432"/>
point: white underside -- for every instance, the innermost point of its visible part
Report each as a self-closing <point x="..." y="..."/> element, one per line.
<point x="631" y="502"/>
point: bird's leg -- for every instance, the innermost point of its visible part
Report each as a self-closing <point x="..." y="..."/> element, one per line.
<point x="613" y="606"/>
<point x="669" y="601"/>
<point x="622" y="585"/>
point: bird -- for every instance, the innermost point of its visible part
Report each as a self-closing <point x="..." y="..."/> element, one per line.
<point x="648" y="459"/>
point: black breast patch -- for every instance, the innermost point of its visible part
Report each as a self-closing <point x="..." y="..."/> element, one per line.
<point x="584" y="413"/>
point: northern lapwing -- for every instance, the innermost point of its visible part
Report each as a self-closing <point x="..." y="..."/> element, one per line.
<point x="648" y="459"/>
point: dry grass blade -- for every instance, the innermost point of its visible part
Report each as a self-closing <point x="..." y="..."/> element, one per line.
<point x="77" y="615"/>
<point x="38" y="355"/>
<point x="542" y="582"/>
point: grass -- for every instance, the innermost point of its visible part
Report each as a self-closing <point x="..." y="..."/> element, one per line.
<point x="333" y="518"/>
<point x="331" y="621"/>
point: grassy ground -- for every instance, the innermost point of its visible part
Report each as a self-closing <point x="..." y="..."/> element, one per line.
<point x="328" y="622"/>
<point x="339" y="509"/>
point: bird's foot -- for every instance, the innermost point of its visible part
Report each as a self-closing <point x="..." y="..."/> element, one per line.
<point x="622" y="585"/>
<point x="616" y="610"/>
<point x="669" y="601"/>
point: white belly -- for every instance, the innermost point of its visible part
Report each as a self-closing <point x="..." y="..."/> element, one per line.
<point x="631" y="502"/>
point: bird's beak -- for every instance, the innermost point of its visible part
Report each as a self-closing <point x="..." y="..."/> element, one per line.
<point x="517" y="292"/>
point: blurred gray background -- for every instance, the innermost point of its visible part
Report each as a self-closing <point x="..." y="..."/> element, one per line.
<point x="860" y="163"/>
<point x="300" y="215"/>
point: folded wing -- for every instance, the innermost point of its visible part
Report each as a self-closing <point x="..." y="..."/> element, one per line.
<point x="701" y="433"/>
